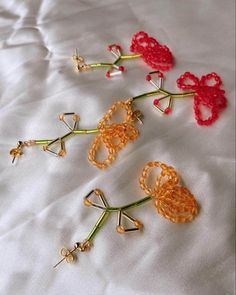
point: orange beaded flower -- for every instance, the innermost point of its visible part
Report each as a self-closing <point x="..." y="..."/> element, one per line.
<point x="113" y="136"/>
<point x="172" y="200"/>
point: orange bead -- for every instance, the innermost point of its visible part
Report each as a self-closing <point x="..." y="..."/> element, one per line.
<point x="61" y="153"/>
<point x="138" y="224"/>
<point x="120" y="229"/>
<point x="87" y="202"/>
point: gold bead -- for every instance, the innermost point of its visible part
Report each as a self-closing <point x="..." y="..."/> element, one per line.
<point x="87" y="202"/>
<point x="138" y="224"/>
<point x="61" y="153"/>
<point x="120" y="229"/>
<point x="76" y="117"/>
<point x="61" y="117"/>
<point x="45" y="148"/>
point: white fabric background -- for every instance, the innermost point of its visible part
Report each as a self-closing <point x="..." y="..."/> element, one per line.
<point x="41" y="197"/>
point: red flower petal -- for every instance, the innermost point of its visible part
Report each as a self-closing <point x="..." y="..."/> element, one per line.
<point x="199" y="116"/>
<point x="187" y="81"/>
<point x="212" y="77"/>
<point x="157" y="56"/>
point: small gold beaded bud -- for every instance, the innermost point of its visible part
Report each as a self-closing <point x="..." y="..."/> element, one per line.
<point x="98" y="192"/>
<point x="61" y="117"/>
<point x="61" y="153"/>
<point x="87" y="202"/>
<point x="120" y="229"/>
<point x="138" y="224"/>
<point x="76" y="118"/>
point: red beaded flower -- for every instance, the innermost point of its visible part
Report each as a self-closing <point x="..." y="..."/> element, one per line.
<point x="157" y="56"/>
<point x="207" y="94"/>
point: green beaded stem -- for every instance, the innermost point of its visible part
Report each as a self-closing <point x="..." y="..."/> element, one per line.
<point x="106" y="212"/>
<point x="162" y="91"/>
<point x="119" y="59"/>
<point x="97" y="226"/>
<point x="67" y="135"/>
<point x="129" y="206"/>
<point x="109" y="210"/>
<point x="135" y="98"/>
<point x="130" y="56"/>
<point x="100" y="65"/>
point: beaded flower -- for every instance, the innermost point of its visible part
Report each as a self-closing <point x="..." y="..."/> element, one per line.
<point x="208" y="94"/>
<point x="172" y="201"/>
<point x="113" y="136"/>
<point x="157" y="56"/>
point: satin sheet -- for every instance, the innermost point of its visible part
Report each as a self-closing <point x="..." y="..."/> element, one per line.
<point x="41" y="196"/>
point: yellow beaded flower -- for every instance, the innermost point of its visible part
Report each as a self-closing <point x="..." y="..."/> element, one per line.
<point x="113" y="136"/>
<point x="172" y="200"/>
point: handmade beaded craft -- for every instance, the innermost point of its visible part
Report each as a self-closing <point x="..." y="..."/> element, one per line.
<point x="171" y="199"/>
<point x="114" y="136"/>
<point x="205" y="95"/>
<point x="155" y="55"/>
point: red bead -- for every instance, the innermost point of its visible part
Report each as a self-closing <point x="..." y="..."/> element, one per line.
<point x="108" y="74"/>
<point x="109" y="47"/>
<point x="160" y="75"/>
<point x="118" y="47"/>
<point x="156" y="102"/>
<point x="157" y="56"/>
<point x="167" y="111"/>
<point x="148" y="77"/>
<point x="121" y="68"/>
